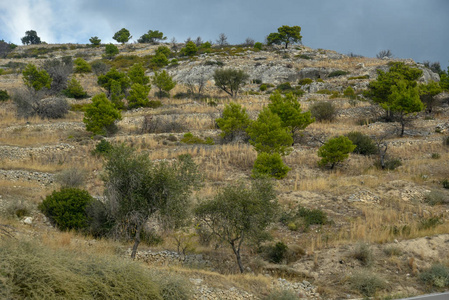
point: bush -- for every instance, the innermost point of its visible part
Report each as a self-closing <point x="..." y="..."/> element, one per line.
<point x="430" y="222"/>
<point x="364" y="144"/>
<point x="305" y="81"/>
<point x="18" y="209"/>
<point x="436" y="197"/>
<point x="233" y="122"/>
<point x="75" y="90"/>
<point x="189" y="138"/>
<point x="263" y="87"/>
<point x="158" y="125"/>
<point x="111" y="50"/>
<point x="349" y="93"/>
<point x="31" y="270"/>
<point x="446" y="141"/>
<point x="59" y="71"/>
<point x="364" y="254"/>
<point x="67" y="208"/>
<point x="367" y="283"/>
<point x="4" y="95"/>
<point x="445" y="183"/>
<point x="437" y="276"/>
<point x="277" y="253"/>
<point x="99" y="67"/>
<point x="258" y="45"/>
<point x="190" y="49"/>
<point x="53" y="108"/>
<point x="71" y="178"/>
<point x="173" y="287"/>
<point x="337" y="73"/>
<point x="103" y="147"/>
<point x="82" y="66"/>
<point x="270" y="165"/>
<point x="312" y="216"/>
<point x="154" y="104"/>
<point x="335" y="151"/>
<point x="323" y="111"/>
<point x="286" y="86"/>
<point x="389" y="164"/>
<point x="100" y="115"/>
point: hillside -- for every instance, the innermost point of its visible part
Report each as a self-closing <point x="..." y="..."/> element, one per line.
<point x="382" y="222"/>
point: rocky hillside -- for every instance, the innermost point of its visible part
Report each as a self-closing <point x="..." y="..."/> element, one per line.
<point x="383" y="229"/>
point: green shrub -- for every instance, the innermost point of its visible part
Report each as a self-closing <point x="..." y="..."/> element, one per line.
<point x="67" y="208"/>
<point x="349" y="93"/>
<point x="286" y="86"/>
<point x="173" y="287"/>
<point x="263" y="87"/>
<point x="75" y="90"/>
<point x="312" y="216"/>
<point x="337" y="73"/>
<point x="100" y="115"/>
<point x="303" y="56"/>
<point x="258" y="45"/>
<point x="367" y="283"/>
<point x="335" y="151"/>
<point x="189" y="138"/>
<point x="324" y="92"/>
<point x="305" y="81"/>
<point x="445" y="183"/>
<point x="4" y="95"/>
<point x="110" y="50"/>
<point x="103" y="147"/>
<point x="233" y="122"/>
<point x="437" y="275"/>
<point x="190" y="49"/>
<point x="358" y="77"/>
<point x="82" y="66"/>
<point x="364" y="144"/>
<point x="435" y="156"/>
<point x="154" y="104"/>
<point x="277" y="253"/>
<point x="270" y="165"/>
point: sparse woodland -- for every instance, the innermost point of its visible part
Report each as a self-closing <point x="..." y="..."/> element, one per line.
<point x="225" y="171"/>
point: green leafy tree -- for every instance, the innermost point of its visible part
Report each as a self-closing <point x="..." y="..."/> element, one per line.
<point x="289" y="110"/>
<point x="82" y="66"/>
<point x="110" y="51"/>
<point x="106" y="80"/>
<point x="285" y="35"/>
<point x="230" y="80"/>
<point x="36" y="79"/>
<point x="159" y="60"/>
<point x="75" y="89"/>
<point x="163" y="81"/>
<point x="122" y="36"/>
<point x="137" y="74"/>
<point x="152" y="37"/>
<point x="163" y="50"/>
<point x="335" y="151"/>
<point x="268" y="135"/>
<point x="364" y="144"/>
<point x="270" y="165"/>
<point x="190" y="49"/>
<point x="31" y="38"/>
<point x="116" y="95"/>
<point x="238" y="214"/>
<point x="138" y="96"/>
<point x="444" y="80"/>
<point x="233" y="122"/>
<point x="136" y="189"/>
<point x="404" y="100"/>
<point x="427" y="93"/>
<point x="95" y="41"/>
<point x="100" y="115"/>
<point x="379" y="90"/>
<point x="67" y="208"/>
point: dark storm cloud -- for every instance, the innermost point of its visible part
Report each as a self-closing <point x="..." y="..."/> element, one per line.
<point x="409" y="28"/>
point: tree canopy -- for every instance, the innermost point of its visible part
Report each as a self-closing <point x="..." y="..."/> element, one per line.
<point x="100" y="115"/>
<point x="31" y="38"/>
<point x="122" y="36"/>
<point x="152" y="37"/>
<point x="285" y="35"/>
<point x="234" y="121"/>
<point x="36" y="79"/>
<point x="335" y="150"/>
<point x="230" y="80"/>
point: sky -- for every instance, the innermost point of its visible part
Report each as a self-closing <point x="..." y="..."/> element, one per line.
<point x="417" y="29"/>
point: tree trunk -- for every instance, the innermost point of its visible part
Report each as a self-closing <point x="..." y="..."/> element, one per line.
<point x="237" y="255"/>
<point x="137" y="240"/>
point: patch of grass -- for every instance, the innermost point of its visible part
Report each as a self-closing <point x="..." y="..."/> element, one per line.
<point x="29" y="270"/>
<point x="393" y="251"/>
<point x="281" y="295"/>
<point x="435" y="156"/>
<point x="303" y="56"/>
<point x="337" y="73"/>
<point x="430" y="222"/>
<point x="189" y="138"/>
<point x="358" y="77"/>
<point x="435" y="197"/>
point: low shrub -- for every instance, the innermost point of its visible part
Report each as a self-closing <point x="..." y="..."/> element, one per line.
<point x="277" y="253"/>
<point x="71" y="178"/>
<point x="158" y="125"/>
<point x="18" y="208"/>
<point x="189" y="138"/>
<point x="75" y="90"/>
<point x="173" y="287"/>
<point x="323" y="111"/>
<point x="430" y="222"/>
<point x="81" y="66"/>
<point x="154" y="104"/>
<point x="270" y="165"/>
<point x="435" y="156"/>
<point x="437" y="276"/>
<point x="67" y="208"/>
<point x="445" y="183"/>
<point x="389" y="164"/>
<point x="99" y="67"/>
<point x="103" y="147"/>
<point x="446" y="141"/>
<point x="286" y="86"/>
<point x="364" y="254"/>
<point x="258" y="45"/>
<point x="305" y="81"/>
<point x="304" y="217"/>
<point x="364" y="144"/>
<point x="436" y="197"/>
<point x="349" y="93"/>
<point x="367" y="283"/>
<point x="358" y="77"/>
<point x="393" y="251"/>
<point x="303" y="56"/>
<point x="4" y="95"/>
<point x="53" y="108"/>
<point x="337" y="73"/>
<point x="263" y="87"/>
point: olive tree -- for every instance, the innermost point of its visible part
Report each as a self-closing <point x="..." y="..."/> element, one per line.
<point x="239" y="213"/>
<point x="230" y="80"/>
<point x="137" y="188"/>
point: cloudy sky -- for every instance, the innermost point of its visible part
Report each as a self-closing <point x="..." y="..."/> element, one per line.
<point x="415" y="29"/>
